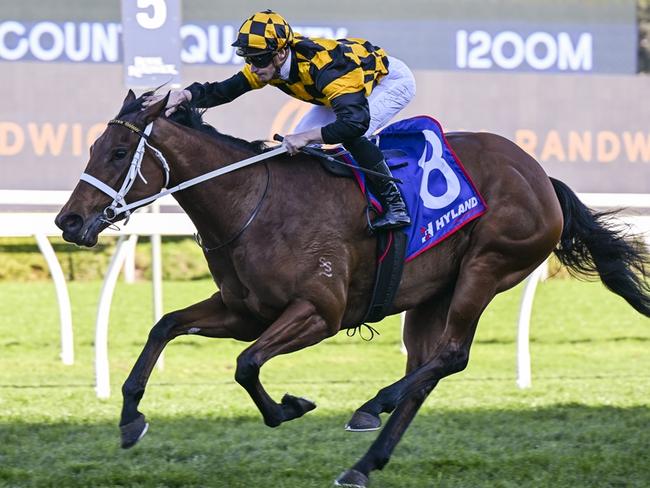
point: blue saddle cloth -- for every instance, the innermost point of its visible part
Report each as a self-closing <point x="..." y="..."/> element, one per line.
<point x="438" y="193"/>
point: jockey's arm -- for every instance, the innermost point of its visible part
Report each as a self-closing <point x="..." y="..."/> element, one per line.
<point x="352" y="118"/>
<point x="352" y="121"/>
<point x="207" y="95"/>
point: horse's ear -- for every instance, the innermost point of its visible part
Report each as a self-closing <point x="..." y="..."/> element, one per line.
<point x="129" y="98"/>
<point x="154" y="111"/>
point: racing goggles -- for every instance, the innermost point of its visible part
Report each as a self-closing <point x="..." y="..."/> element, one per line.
<point x="260" y="60"/>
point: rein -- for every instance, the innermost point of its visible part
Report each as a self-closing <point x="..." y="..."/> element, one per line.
<point x="199" y="239"/>
<point x="120" y="206"/>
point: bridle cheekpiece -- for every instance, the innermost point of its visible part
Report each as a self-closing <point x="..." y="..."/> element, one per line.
<point x="119" y="205"/>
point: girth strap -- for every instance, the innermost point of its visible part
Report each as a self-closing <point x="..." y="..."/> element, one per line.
<point x="391" y="246"/>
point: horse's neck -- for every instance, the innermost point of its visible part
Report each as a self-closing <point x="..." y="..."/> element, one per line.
<point x="219" y="206"/>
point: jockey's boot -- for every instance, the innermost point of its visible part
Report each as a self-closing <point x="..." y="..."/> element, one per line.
<point x="390" y="198"/>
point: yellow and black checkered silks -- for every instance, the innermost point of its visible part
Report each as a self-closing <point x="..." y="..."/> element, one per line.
<point x="323" y="69"/>
<point x="336" y="73"/>
<point x="266" y="31"/>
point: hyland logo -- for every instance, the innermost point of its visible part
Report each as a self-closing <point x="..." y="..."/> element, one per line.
<point x="454" y="213"/>
<point x="427" y="232"/>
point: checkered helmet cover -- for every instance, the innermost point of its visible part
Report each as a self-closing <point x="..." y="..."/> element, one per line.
<point x="264" y="31"/>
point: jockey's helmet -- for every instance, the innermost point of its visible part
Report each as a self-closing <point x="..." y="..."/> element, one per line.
<point x="263" y="32"/>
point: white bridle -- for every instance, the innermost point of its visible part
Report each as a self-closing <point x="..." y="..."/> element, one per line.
<point x="119" y="205"/>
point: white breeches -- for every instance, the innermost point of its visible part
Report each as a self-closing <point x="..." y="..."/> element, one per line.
<point x="392" y="94"/>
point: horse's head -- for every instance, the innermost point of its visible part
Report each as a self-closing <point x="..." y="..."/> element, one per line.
<point x="120" y="170"/>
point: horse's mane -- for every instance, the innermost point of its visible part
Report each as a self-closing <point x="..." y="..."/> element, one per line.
<point x="191" y="116"/>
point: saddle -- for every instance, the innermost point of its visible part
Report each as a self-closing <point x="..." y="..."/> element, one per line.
<point x="437" y="190"/>
<point x="342" y="157"/>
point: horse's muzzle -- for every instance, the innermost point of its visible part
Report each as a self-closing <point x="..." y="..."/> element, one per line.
<point x="76" y="230"/>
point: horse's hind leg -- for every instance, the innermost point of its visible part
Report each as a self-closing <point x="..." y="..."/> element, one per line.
<point x="422" y="328"/>
<point x="208" y="318"/>
<point x="438" y="353"/>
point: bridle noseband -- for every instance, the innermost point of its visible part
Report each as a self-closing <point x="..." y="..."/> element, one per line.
<point x="119" y="205"/>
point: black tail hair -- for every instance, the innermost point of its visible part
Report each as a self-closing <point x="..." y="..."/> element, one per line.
<point x="592" y="245"/>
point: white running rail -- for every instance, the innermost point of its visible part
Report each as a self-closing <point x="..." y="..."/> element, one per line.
<point x="17" y="220"/>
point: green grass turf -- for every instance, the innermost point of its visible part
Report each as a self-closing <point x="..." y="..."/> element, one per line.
<point x="585" y="422"/>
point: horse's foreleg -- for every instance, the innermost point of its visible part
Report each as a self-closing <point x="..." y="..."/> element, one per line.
<point x="208" y="318"/>
<point x="298" y="327"/>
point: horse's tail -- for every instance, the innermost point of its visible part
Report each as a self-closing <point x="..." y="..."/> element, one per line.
<point x="590" y="246"/>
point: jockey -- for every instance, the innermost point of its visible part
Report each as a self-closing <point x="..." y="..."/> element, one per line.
<point x="354" y="86"/>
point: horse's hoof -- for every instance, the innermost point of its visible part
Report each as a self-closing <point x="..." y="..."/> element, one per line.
<point x="352" y="479"/>
<point x="133" y="432"/>
<point x="363" y="422"/>
<point x="294" y="407"/>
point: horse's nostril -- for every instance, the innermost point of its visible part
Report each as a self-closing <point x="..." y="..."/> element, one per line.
<point x="70" y="223"/>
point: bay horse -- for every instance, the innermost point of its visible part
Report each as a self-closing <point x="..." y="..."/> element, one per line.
<point x="268" y="229"/>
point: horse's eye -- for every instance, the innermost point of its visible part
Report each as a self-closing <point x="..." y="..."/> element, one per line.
<point x="119" y="154"/>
